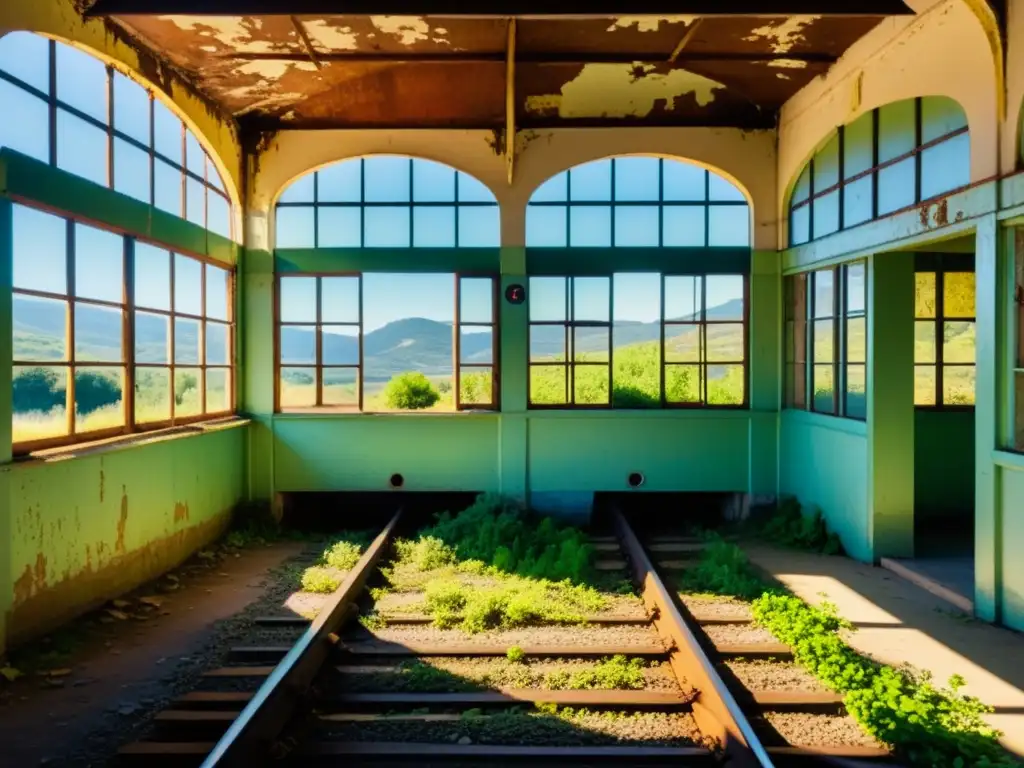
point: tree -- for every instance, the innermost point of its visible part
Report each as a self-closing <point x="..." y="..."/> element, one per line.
<point x="410" y="391"/>
<point x="94" y="390"/>
<point x="37" y="389"/>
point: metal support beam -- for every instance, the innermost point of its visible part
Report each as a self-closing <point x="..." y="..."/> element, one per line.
<point x="307" y="44"/>
<point x="510" y="101"/>
<point x="678" y="56"/>
<point x="687" y="37"/>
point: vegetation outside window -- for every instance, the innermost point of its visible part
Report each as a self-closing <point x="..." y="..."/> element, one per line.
<point x="823" y="347"/>
<point x="944" y="338"/>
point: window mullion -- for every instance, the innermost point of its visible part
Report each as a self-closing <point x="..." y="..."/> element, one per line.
<point x="456" y="345"/>
<point x="69" y="398"/>
<point x="128" y="333"/>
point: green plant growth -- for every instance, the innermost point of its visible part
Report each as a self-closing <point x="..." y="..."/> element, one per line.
<point x="410" y="391"/>
<point x="723" y="569"/>
<point x="515" y="654"/>
<point x="789" y="527"/>
<point x="343" y="554"/>
<point x="615" y="673"/>
<point x="320" y="580"/>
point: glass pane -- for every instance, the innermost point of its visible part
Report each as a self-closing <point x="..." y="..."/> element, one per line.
<point x="131" y="171"/>
<point x="925" y="348"/>
<point x="338" y="183"/>
<point x="195" y="157"/>
<point x="39" y="400"/>
<point x="218" y="390"/>
<point x="896" y="129"/>
<point x="186" y="341"/>
<point x="30" y="133"/>
<point x="131" y="108"/>
<point x="591" y="181"/>
<point x="590" y="226"/>
<point x="726" y="385"/>
<point x="858" y="145"/>
<point x="295" y="228"/>
<point x="152" y="394"/>
<point x="473" y="191"/>
<point x="682" y="344"/>
<point x="591" y="299"/>
<point x="683" y="384"/>
<point x="683" y="298"/>
<point x="340" y="345"/>
<point x="826" y="165"/>
<point x="636" y="305"/>
<point x="152" y="277"/>
<point x="82" y="82"/>
<point x="724" y="297"/>
<point x="896" y="186"/>
<point x="590" y="344"/>
<point x="386" y="227"/>
<point x="480" y="226"/>
<point x="725" y="342"/>
<point x="547" y="299"/>
<point x="924" y="294"/>
<point x="213" y="175"/>
<point x="195" y="202"/>
<point x="218" y="214"/>
<point x="684" y="181"/>
<point x="546" y="226"/>
<point x="824" y="341"/>
<point x="433" y="227"/>
<point x="188" y="285"/>
<point x="98" y="334"/>
<point x="298" y="344"/>
<point x="958" y="385"/>
<point x="925" y="383"/>
<point x="40" y="250"/>
<point x="940" y="115"/>
<point x="824" y="389"/>
<point x="547" y="384"/>
<point x="855" y="287"/>
<point x="339" y="227"/>
<point x="341" y="387"/>
<point x="217" y="293"/>
<point x="729" y="226"/>
<point x="857" y="201"/>
<point x="152" y="338"/>
<point x="958" y="294"/>
<point x="800" y="225"/>
<point x="99" y="398"/>
<point x="825" y="210"/>
<point x="824" y="293"/>
<point x="682" y="226"/>
<point x="476" y="345"/>
<point x="723" y="190"/>
<point x="554" y="190"/>
<point x="339" y="299"/>
<point x="547" y="343"/>
<point x="856" y="340"/>
<point x="188" y="398"/>
<point x="636" y="225"/>
<point x="26" y="56"/>
<point x="637" y="178"/>
<point x="99" y="264"/>
<point x="168" y="133"/>
<point x="81" y="148"/>
<point x="167" y="190"/>
<point x="856" y="392"/>
<point x="298" y="387"/>
<point x="387" y="179"/>
<point x="476" y="386"/>
<point x="40" y="329"/>
<point x="432" y="182"/>
<point x="297" y="296"/>
<point x="217" y="347"/>
<point x="302" y="190"/>
<point x="476" y="300"/>
<point x="958" y="342"/>
<point x="590" y="384"/>
<point x="946" y="166"/>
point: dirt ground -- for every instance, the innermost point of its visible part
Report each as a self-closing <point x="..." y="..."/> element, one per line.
<point x="93" y="685"/>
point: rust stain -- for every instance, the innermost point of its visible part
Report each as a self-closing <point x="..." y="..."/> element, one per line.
<point x="923" y="214"/>
<point x="942" y="213"/>
<point x="122" y="521"/>
<point x="180" y="512"/>
<point x="102" y="481"/>
<point x="32" y="580"/>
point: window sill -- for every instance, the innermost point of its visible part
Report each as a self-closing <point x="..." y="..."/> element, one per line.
<point x="827" y="421"/>
<point x="1009" y="460"/>
<point x="348" y="413"/>
<point x="122" y="442"/>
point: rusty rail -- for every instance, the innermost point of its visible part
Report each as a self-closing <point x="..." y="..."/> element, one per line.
<point x="715" y="710"/>
<point x="261" y="721"/>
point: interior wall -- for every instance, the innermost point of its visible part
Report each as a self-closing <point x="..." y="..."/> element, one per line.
<point x="943" y="467"/>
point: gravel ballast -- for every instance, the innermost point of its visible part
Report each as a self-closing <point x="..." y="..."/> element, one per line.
<point x="815" y="730"/>
<point x="625" y="636"/>
<point x="769" y="675"/>
<point x="738" y="633"/>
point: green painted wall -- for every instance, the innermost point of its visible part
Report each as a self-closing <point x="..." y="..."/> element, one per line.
<point x="1010" y="590"/>
<point x="943" y="466"/>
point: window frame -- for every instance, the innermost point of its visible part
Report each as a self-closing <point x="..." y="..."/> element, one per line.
<point x="940" y="267"/>
<point x="128" y="364"/>
<point x="1017" y="364"/>
<point x="319" y="366"/>
<point x="702" y="364"/>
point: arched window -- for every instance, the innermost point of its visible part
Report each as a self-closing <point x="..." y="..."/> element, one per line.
<point x="891" y="158"/>
<point x="68" y="109"/>
<point x="637" y="202"/>
<point x="387" y="202"/>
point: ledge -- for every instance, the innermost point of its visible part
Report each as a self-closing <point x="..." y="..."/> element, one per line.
<point x="824" y="421"/>
<point x="124" y="442"/>
<point x="1009" y="460"/>
<point x="315" y="414"/>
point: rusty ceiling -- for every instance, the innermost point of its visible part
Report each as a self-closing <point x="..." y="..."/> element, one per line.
<point x="279" y="71"/>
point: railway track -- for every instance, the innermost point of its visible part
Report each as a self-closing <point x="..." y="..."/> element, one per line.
<point x="336" y="691"/>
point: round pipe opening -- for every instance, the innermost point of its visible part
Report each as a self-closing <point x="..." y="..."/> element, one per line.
<point x="396" y="480"/>
<point x="635" y="479"/>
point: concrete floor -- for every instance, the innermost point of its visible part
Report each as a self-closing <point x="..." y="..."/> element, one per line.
<point x="951" y="578"/>
<point x="899" y="623"/>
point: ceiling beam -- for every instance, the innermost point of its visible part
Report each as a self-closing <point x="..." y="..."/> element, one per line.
<point x="685" y="40"/>
<point x="544" y="9"/>
<point x="680" y="57"/>
<point x="510" y="101"/>
<point x="307" y="44"/>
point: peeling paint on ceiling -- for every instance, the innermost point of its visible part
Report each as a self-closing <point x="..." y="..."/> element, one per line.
<point x="788" y="63"/>
<point x="624" y="90"/>
<point x="331" y="37"/>
<point x="236" y="32"/>
<point x="783" y="35"/>
<point x="411" y="29"/>
<point x="649" y="23"/>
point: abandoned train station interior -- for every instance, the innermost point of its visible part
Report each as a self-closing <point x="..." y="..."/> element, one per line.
<point x="254" y="252"/>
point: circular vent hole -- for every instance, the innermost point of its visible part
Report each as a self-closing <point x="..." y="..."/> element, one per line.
<point x="396" y="481"/>
<point x="635" y="480"/>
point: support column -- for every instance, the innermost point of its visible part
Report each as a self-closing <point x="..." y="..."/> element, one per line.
<point x="765" y="359"/>
<point x="986" y="499"/>
<point x="6" y="409"/>
<point x="514" y="351"/>
<point x="891" y="404"/>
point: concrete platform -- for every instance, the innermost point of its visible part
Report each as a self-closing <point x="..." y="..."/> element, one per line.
<point x="949" y="578"/>
<point x="898" y="622"/>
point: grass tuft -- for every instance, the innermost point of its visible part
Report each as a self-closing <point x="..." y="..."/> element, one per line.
<point x="319" y="580"/>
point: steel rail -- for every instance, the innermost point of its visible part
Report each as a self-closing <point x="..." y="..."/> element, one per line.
<point x="716" y="711"/>
<point x="252" y="733"/>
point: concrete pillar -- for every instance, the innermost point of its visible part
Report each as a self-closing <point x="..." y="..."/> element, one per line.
<point x="891" y="404"/>
<point x="513" y="425"/>
<point x="765" y="330"/>
<point x="6" y="407"/>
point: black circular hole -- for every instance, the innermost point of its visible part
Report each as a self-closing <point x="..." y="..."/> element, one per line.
<point x="396" y="480"/>
<point x="636" y="479"/>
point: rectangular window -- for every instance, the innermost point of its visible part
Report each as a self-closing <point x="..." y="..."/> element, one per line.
<point x="944" y="338"/>
<point x="86" y="333"/>
<point x="638" y="341"/>
<point x="824" y="290"/>
<point x="855" y="354"/>
<point x="796" y="341"/>
<point x="386" y="342"/>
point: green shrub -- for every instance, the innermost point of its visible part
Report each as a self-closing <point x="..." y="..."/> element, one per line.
<point x="515" y="654"/>
<point x="723" y="569"/>
<point x="342" y="555"/>
<point x="321" y="580"/>
<point x="616" y="673"/>
<point x="789" y="527"/>
<point x="410" y="391"/>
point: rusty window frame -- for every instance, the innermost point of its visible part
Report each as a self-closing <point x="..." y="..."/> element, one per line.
<point x="570" y="364"/>
<point x="128" y="364"/>
<point x="210" y="180"/>
<point x="613" y="203"/>
<point x="362" y="204"/>
<point x="844" y="181"/>
<point x="319" y="366"/>
<point x="938" y="322"/>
